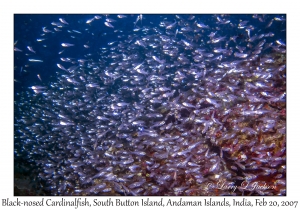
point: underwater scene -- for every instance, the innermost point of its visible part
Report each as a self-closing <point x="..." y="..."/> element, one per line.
<point x="150" y="104"/>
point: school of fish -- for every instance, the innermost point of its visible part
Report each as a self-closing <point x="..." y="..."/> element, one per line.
<point x="174" y="108"/>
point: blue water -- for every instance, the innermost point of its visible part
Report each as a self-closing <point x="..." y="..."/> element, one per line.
<point x="27" y="28"/>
